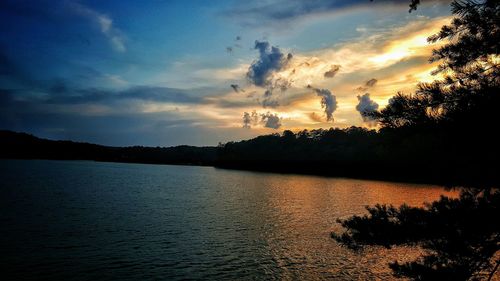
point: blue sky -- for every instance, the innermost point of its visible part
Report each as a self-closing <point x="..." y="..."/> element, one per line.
<point x="202" y="72"/>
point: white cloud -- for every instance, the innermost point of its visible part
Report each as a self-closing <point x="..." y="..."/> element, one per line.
<point x="105" y="24"/>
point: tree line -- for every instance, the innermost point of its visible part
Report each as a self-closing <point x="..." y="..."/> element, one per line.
<point x="24" y="146"/>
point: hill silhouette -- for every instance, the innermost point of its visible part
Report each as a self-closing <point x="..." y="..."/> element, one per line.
<point x="25" y="146"/>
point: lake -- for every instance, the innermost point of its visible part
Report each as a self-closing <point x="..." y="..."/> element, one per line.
<point x="83" y="220"/>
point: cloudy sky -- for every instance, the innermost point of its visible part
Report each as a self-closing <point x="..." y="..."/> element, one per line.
<point x="201" y="72"/>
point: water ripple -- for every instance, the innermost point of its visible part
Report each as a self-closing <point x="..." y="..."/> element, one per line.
<point x="76" y="220"/>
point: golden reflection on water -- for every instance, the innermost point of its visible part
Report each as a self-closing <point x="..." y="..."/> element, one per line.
<point x="301" y="211"/>
<point x="180" y="222"/>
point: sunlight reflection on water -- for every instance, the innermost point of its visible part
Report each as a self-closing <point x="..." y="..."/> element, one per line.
<point x="79" y="220"/>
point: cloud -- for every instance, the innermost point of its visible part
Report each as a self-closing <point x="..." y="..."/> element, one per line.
<point x="366" y="106"/>
<point x="250" y="119"/>
<point x="120" y="128"/>
<point x="333" y="71"/>
<point x="251" y="94"/>
<point x="270" y="120"/>
<point x="237" y="88"/>
<point x="328" y="102"/>
<point x="65" y="16"/>
<point x="225" y="106"/>
<point x="269" y="100"/>
<point x="315" y="117"/>
<point x="63" y="94"/>
<point x="261" y="12"/>
<point x="272" y="103"/>
<point x="267" y="120"/>
<point x="247" y="120"/>
<point x="105" y="24"/>
<point x="266" y="12"/>
<point x="368" y="84"/>
<point x="263" y="72"/>
<point x="377" y="50"/>
<point x="271" y="59"/>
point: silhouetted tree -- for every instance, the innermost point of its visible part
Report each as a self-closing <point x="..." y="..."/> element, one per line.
<point x="461" y="235"/>
<point x="470" y="64"/>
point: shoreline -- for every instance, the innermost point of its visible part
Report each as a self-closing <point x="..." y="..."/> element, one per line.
<point x="306" y="172"/>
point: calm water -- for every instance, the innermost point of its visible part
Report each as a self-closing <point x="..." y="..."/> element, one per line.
<point x="77" y="220"/>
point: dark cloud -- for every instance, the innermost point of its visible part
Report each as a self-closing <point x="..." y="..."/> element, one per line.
<point x="270" y="59"/>
<point x="250" y="119"/>
<point x="260" y="73"/>
<point x="281" y="83"/>
<point x="367" y="85"/>
<point x="247" y="120"/>
<point x="315" y="117"/>
<point x="272" y="103"/>
<point x="267" y="120"/>
<point x="251" y="94"/>
<point x="147" y="93"/>
<point x="161" y="94"/>
<point x="269" y="100"/>
<point x="333" y="71"/>
<point x="230" y="49"/>
<point x="270" y="120"/>
<point x="237" y="88"/>
<point x="117" y="129"/>
<point x="122" y="126"/>
<point x="370" y="83"/>
<point x="224" y="103"/>
<point x="96" y="115"/>
<point x="265" y="12"/>
<point x="328" y="101"/>
<point x="366" y="106"/>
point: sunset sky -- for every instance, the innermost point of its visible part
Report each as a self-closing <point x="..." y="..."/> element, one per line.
<point x="162" y="73"/>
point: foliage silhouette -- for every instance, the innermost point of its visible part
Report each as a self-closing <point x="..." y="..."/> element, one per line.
<point x="461" y="235"/>
<point x="470" y="64"/>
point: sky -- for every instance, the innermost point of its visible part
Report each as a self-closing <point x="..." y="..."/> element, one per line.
<point x="164" y="73"/>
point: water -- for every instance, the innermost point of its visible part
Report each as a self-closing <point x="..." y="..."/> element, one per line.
<point x="79" y="220"/>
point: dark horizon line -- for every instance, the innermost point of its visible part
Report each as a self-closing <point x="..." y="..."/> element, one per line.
<point x="99" y="144"/>
<point x="15" y="145"/>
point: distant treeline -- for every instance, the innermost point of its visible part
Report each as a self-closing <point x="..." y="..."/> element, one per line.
<point x="24" y="146"/>
<point x="433" y="155"/>
<point x="418" y="155"/>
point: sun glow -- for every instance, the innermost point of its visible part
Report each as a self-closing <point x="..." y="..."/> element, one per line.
<point x="401" y="49"/>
